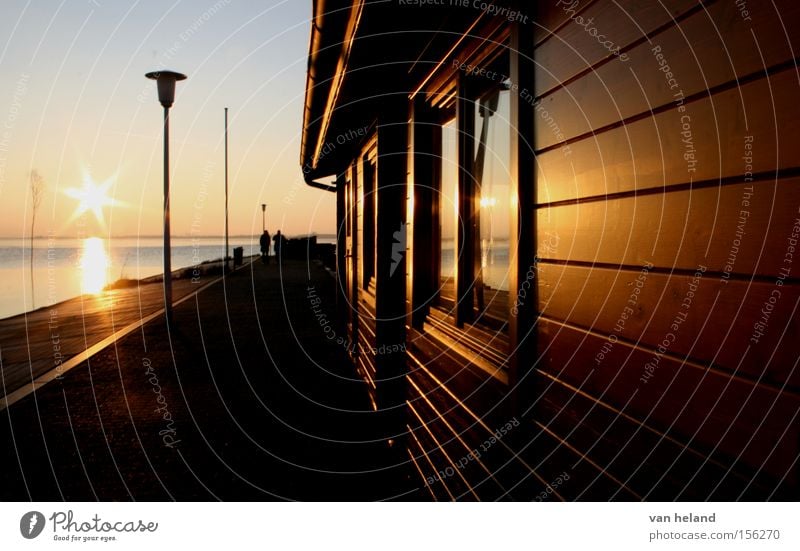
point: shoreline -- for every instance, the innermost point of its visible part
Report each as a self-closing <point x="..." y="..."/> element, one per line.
<point x="41" y="341"/>
<point x="207" y="268"/>
<point x="203" y="269"/>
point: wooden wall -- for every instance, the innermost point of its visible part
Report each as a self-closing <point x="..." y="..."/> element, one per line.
<point x="665" y="204"/>
<point x="666" y="210"/>
<point x="360" y="301"/>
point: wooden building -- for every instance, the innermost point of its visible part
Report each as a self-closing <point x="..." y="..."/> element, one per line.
<point x="567" y="243"/>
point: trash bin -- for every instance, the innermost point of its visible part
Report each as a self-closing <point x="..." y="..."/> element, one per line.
<point x="238" y="256"/>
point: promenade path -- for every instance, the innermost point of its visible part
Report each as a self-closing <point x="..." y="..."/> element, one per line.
<point x="34" y="343"/>
<point x="242" y="398"/>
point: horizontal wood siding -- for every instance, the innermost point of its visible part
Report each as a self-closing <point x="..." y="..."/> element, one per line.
<point x="710" y="48"/>
<point x="680" y="229"/>
<point x="597" y="298"/>
<point x="649" y="152"/>
<point x="572" y="50"/>
<point x="667" y="212"/>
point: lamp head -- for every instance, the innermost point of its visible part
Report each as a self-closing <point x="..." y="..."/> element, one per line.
<point x="263" y="207"/>
<point x="166" y="85"/>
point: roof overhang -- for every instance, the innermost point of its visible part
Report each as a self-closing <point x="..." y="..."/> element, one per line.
<point x="333" y="29"/>
<point x="360" y="53"/>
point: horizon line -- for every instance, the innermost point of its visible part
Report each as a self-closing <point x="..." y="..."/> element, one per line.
<point x="158" y="236"/>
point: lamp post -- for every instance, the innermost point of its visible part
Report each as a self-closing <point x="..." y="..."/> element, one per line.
<point x="225" y="263"/>
<point x="263" y="217"/>
<point x="166" y="96"/>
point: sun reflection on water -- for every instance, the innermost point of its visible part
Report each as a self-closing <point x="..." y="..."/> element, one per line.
<point x="94" y="264"/>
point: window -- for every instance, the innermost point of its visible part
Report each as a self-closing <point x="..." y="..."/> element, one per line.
<point x="472" y="205"/>
<point x="490" y="172"/>
<point x="448" y="212"/>
<point x="368" y="198"/>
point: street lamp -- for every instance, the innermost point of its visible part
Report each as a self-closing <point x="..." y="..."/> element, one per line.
<point x="225" y="256"/>
<point x="263" y="217"/>
<point x="166" y="95"/>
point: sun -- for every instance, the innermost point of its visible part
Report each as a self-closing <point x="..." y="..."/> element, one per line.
<point x="92" y="197"/>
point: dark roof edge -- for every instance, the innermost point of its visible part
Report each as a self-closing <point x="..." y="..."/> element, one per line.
<point x="332" y="29"/>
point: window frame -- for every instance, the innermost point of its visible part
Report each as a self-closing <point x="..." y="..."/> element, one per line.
<point x="457" y="98"/>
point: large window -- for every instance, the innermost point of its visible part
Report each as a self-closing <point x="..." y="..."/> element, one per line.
<point x="490" y="172"/>
<point x="368" y="198"/>
<point x="448" y="211"/>
<point x="472" y="205"/>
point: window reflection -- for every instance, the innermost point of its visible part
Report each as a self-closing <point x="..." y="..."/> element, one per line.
<point x="368" y="197"/>
<point x="448" y="208"/>
<point x="493" y="196"/>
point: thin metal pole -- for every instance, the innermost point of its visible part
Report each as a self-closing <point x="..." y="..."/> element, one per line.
<point x="226" y="190"/>
<point x="167" y="251"/>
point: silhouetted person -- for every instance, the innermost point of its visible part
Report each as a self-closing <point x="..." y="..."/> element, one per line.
<point x="279" y="241"/>
<point x="264" y="242"/>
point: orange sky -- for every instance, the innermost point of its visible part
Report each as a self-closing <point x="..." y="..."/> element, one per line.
<point x="75" y="105"/>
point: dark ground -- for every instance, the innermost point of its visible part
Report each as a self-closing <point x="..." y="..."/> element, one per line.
<point x="263" y="406"/>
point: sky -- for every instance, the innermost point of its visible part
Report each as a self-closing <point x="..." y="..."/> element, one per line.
<point x="76" y="108"/>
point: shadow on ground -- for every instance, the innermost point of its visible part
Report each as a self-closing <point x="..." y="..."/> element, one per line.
<point x="246" y="400"/>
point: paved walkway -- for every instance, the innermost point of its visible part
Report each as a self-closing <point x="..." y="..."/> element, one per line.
<point x="244" y="399"/>
<point x="34" y="343"/>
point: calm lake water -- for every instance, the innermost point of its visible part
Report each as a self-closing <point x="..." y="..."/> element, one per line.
<point x="494" y="262"/>
<point x="66" y="268"/>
